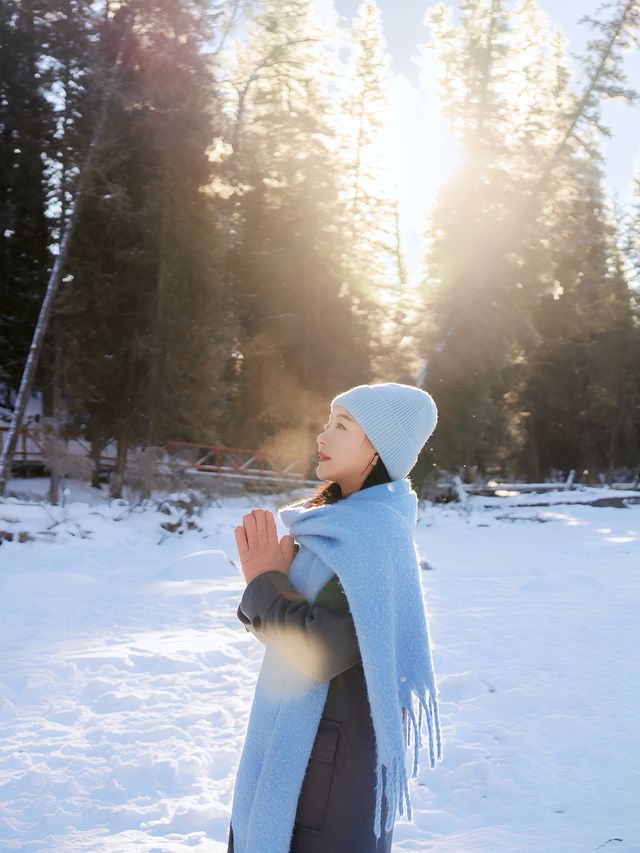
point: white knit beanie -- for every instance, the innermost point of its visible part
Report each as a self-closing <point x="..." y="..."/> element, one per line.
<point x="397" y="419"/>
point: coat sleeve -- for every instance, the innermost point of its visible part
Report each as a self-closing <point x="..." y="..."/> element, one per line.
<point x="319" y="638"/>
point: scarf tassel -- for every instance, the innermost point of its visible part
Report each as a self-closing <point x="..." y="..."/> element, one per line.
<point x="429" y="705"/>
<point x="396" y="788"/>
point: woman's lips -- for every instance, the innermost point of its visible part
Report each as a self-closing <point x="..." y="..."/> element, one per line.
<point x="322" y="457"/>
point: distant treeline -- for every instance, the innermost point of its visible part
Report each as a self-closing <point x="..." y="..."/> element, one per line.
<point x="238" y="259"/>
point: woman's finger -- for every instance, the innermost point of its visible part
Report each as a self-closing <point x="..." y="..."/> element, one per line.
<point x="241" y="541"/>
<point x="261" y="526"/>
<point x="249" y="521"/>
<point x="272" y="530"/>
<point x="287" y="546"/>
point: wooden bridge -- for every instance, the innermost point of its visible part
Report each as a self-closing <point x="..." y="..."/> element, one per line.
<point x="236" y="463"/>
<point x="208" y="460"/>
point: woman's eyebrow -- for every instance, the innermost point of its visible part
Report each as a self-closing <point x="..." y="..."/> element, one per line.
<point x="347" y="417"/>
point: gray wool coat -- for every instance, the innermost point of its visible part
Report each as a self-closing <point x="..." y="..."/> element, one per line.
<point x="336" y="805"/>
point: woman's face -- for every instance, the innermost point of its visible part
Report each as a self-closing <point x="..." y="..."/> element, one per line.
<point x="351" y="456"/>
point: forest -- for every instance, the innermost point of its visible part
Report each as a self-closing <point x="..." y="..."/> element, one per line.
<point x="199" y="194"/>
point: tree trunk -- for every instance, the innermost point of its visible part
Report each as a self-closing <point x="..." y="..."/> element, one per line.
<point x="54" y="477"/>
<point x="95" y="446"/>
<point x="55" y="277"/>
<point x="117" y="475"/>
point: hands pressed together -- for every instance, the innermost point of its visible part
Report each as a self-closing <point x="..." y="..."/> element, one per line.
<point x="258" y="545"/>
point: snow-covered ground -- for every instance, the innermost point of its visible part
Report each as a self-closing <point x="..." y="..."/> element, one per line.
<point x="126" y="678"/>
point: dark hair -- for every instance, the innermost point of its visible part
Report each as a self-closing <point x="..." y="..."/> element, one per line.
<point x="330" y="493"/>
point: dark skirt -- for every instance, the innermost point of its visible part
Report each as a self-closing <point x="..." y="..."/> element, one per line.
<point x="336" y="805"/>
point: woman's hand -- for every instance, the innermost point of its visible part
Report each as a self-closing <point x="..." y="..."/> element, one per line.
<point x="258" y="545"/>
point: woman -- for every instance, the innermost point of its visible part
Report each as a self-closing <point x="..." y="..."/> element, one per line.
<point x="313" y="730"/>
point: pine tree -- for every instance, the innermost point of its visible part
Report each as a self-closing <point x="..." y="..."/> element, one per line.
<point x="146" y="325"/>
<point x="467" y="218"/>
<point x="289" y="263"/>
<point x="539" y="213"/>
<point x="27" y="128"/>
<point x="371" y="193"/>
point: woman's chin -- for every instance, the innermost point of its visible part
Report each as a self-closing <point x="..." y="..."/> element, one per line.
<point x="321" y="471"/>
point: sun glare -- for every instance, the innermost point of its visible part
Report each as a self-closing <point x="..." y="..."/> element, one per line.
<point x="421" y="155"/>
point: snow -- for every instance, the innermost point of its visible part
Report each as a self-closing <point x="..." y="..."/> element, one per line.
<point x="126" y="678"/>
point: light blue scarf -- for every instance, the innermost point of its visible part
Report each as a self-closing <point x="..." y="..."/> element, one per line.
<point x="367" y="540"/>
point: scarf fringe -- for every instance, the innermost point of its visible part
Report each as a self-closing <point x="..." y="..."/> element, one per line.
<point x="396" y="788"/>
